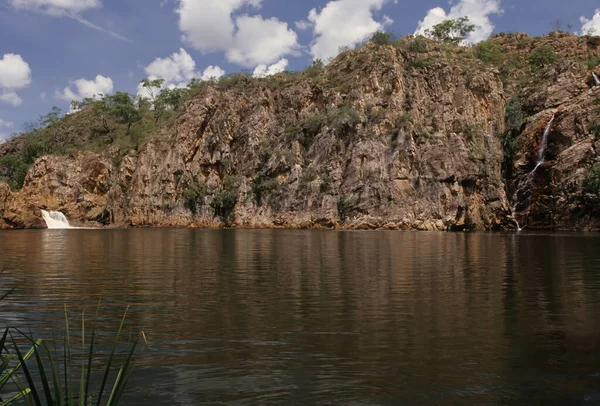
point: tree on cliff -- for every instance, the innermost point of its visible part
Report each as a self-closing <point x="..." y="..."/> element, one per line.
<point x="152" y="86"/>
<point x="121" y="105"/>
<point x="451" y="31"/>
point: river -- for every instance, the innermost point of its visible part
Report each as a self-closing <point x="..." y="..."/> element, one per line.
<point x="247" y="317"/>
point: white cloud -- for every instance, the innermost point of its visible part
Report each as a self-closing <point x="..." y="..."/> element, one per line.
<point x="303" y="25"/>
<point x="56" y="7"/>
<point x="81" y="88"/>
<point x="177" y="70"/>
<point x="260" y="40"/>
<point x="43" y="95"/>
<point x="179" y="67"/>
<point x="263" y="71"/>
<point x="11" y="97"/>
<point x="66" y="8"/>
<point x="210" y="26"/>
<point x="4" y="124"/>
<point x="211" y="73"/>
<point x="591" y="26"/>
<point x="478" y="12"/>
<point x="4" y="135"/>
<point x="15" y="73"/>
<point x="343" y="23"/>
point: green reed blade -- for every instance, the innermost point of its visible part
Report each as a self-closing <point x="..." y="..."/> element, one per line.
<point x="23" y="364"/>
<point x="110" y="358"/>
<point x="16" y="397"/>
<point x="122" y="377"/>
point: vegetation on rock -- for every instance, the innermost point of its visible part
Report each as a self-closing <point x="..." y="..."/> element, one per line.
<point x="382" y="122"/>
<point x="451" y="31"/>
<point x="542" y="57"/>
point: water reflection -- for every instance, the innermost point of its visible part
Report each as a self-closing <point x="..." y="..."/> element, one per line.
<point x="272" y="316"/>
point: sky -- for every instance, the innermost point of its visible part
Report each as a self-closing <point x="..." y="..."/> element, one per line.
<point x="55" y="51"/>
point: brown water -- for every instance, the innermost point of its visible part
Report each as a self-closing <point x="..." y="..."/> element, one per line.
<point x="321" y="317"/>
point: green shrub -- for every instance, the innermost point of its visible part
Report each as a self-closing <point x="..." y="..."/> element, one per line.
<point x="591" y="182"/>
<point x="420" y="63"/>
<point x="225" y="200"/>
<point x="515" y="115"/>
<point x="315" y="68"/>
<point x="193" y="195"/>
<point x="489" y="51"/>
<point x="345" y="206"/>
<point x="232" y="80"/>
<point x="515" y="118"/>
<point x="312" y="125"/>
<point x="402" y="120"/>
<point x="343" y="118"/>
<point x="32" y="150"/>
<point x="510" y="143"/>
<point x="418" y="45"/>
<point x="325" y="181"/>
<point x="262" y="185"/>
<point x="13" y="171"/>
<point x="593" y="62"/>
<point x="542" y="57"/>
<point x="382" y="38"/>
<point x="309" y="175"/>
<point x="595" y="130"/>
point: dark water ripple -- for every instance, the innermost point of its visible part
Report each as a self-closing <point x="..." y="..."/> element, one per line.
<point x="309" y="317"/>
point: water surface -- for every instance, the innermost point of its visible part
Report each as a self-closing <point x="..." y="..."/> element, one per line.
<point x="322" y="317"/>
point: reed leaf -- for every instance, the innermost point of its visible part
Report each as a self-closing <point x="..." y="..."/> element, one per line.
<point x="46" y="377"/>
<point x="16" y="397"/>
<point x="36" y="397"/>
<point x="110" y="359"/>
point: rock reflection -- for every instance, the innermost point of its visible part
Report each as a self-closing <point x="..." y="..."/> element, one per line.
<point x="273" y="316"/>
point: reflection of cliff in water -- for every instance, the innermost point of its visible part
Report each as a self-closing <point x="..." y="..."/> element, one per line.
<point x="309" y="316"/>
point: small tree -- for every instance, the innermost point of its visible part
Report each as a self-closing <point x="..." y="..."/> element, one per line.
<point x="13" y="171"/>
<point x="557" y="25"/>
<point x="542" y="57"/>
<point x="382" y="38"/>
<point x="52" y="117"/>
<point x="173" y="98"/>
<point x="122" y="106"/>
<point x="591" y="182"/>
<point x="451" y="31"/>
<point x="152" y="87"/>
<point x="491" y="52"/>
<point x="315" y="68"/>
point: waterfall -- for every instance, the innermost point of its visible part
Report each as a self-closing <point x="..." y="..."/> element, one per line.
<point x="544" y="145"/>
<point x="596" y="78"/>
<point x="530" y="176"/>
<point x="513" y="212"/>
<point x="55" y="220"/>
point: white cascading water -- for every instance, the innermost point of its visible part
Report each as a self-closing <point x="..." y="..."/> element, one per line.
<point x="596" y="78"/>
<point x="530" y="175"/>
<point x="55" y="220"/>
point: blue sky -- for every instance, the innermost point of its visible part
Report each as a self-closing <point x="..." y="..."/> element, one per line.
<point x="47" y="46"/>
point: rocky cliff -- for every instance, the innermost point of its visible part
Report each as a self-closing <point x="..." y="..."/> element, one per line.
<point x="400" y="136"/>
<point x="554" y="195"/>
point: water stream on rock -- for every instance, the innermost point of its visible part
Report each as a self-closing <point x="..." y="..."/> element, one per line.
<point x="55" y="220"/>
<point x="530" y="175"/>
<point x="596" y="78"/>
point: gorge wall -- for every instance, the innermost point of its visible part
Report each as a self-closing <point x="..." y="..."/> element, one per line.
<point x="399" y="136"/>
